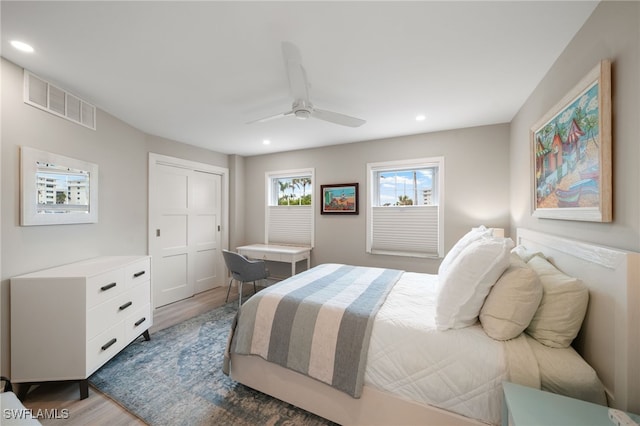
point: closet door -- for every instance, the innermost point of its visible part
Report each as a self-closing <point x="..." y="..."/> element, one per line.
<point x="185" y="230"/>
<point x="205" y="230"/>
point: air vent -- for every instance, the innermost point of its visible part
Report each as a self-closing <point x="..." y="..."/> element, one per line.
<point x="45" y="96"/>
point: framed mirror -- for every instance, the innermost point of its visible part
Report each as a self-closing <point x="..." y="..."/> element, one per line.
<point x="56" y="189"/>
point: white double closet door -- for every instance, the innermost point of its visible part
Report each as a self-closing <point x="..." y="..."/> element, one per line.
<point x="185" y="227"/>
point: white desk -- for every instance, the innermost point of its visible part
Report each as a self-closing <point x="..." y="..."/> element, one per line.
<point x="278" y="253"/>
<point x="525" y="406"/>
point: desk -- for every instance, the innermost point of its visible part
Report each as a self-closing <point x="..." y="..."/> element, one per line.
<point x="525" y="406"/>
<point x="278" y="253"/>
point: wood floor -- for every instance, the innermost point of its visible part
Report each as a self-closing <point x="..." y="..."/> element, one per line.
<point x="61" y="401"/>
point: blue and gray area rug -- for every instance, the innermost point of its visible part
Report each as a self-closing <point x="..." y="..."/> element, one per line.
<point x="176" y="379"/>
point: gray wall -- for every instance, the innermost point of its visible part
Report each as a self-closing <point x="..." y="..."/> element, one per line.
<point x="612" y="32"/>
<point x="121" y="153"/>
<point x="476" y="189"/>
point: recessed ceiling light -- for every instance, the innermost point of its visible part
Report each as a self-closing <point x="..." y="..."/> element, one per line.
<point x="421" y="117"/>
<point x="266" y="142"/>
<point x="21" y="46"/>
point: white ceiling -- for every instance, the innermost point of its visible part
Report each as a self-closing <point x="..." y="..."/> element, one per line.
<point x="197" y="72"/>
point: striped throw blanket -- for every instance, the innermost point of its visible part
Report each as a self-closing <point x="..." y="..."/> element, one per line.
<point x="317" y="323"/>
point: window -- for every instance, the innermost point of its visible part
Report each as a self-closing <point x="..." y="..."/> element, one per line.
<point x="290" y="212"/>
<point x="291" y="190"/>
<point x="404" y="207"/>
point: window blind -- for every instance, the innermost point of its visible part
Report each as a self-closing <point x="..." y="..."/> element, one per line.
<point x="290" y="225"/>
<point x="410" y="230"/>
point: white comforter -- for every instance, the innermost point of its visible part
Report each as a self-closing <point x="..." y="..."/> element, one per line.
<point x="457" y="370"/>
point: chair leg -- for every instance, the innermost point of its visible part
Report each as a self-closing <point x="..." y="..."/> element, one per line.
<point x="239" y="294"/>
<point x="254" y="288"/>
<point x="228" y="290"/>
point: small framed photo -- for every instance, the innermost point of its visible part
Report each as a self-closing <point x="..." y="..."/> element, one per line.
<point x="339" y="199"/>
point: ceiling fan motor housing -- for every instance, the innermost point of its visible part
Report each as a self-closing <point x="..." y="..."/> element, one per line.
<point x="302" y="109"/>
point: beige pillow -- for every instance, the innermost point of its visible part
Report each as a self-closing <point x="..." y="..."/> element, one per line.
<point x="512" y="302"/>
<point x="564" y="303"/>
<point x="524" y="253"/>
<point x="565" y="372"/>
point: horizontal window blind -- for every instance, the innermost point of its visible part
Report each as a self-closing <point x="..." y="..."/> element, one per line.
<point x="290" y="225"/>
<point x="410" y="230"/>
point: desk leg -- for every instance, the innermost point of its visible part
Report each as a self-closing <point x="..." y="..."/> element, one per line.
<point x="293" y="267"/>
<point x="308" y="262"/>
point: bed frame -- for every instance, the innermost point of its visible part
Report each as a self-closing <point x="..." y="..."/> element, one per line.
<point x="609" y="341"/>
<point x="610" y="336"/>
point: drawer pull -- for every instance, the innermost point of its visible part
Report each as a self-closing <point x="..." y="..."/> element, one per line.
<point x="140" y="321"/>
<point x="108" y="344"/>
<point x="107" y="287"/>
<point x="137" y="274"/>
<point x="125" y="306"/>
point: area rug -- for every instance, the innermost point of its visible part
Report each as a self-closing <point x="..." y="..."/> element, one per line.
<point x="176" y="378"/>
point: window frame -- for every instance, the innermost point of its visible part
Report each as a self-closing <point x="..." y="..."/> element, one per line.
<point x="373" y="198"/>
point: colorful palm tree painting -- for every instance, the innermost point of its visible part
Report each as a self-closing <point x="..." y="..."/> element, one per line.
<point x="567" y="157"/>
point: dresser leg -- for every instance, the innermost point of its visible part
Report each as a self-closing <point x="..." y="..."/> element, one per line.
<point x="23" y="388"/>
<point x="146" y="335"/>
<point x="84" y="388"/>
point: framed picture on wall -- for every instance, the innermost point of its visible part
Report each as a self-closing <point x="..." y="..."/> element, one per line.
<point x="571" y="153"/>
<point x="339" y="199"/>
<point x="56" y="190"/>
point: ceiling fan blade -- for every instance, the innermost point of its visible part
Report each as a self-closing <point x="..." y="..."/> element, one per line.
<point x="271" y="117"/>
<point x="337" y="118"/>
<point x="298" y="83"/>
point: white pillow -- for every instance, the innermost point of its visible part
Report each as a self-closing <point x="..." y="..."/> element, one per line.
<point x="564" y="303"/>
<point x="471" y="236"/>
<point x="512" y="301"/>
<point x="466" y="283"/>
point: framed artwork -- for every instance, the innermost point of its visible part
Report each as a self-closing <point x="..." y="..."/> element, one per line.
<point x="56" y="190"/>
<point x="571" y="153"/>
<point x="339" y="199"/>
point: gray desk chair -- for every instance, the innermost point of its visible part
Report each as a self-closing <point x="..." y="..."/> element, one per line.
<point x="243" y="270"/>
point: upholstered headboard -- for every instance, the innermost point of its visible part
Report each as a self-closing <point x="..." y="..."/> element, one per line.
<point x="610" y="336"/>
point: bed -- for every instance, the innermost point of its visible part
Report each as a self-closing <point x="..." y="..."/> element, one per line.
<point x="403" y="382"/>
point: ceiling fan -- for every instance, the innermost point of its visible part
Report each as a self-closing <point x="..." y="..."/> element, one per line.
<point x="302" y="108"/>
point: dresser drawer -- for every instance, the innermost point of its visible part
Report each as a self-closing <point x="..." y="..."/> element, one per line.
<point x="135" y="299"/>
<point x="103" y="287"/>
<point x="138" y="272"/>
<point x="104" y="346"/>
<point x="137" y="322"/>
<point x="103" y="316"/>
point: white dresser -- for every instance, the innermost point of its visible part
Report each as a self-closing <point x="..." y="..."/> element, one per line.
<point x="67" y="321"/>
